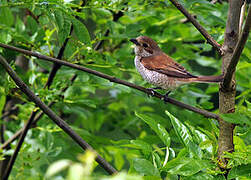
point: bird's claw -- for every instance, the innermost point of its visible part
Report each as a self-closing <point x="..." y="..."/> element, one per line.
<point x="166" y="96"/>
<point x="152" y="92"/>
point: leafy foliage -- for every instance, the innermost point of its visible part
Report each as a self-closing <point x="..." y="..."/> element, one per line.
<point x="140" y="136"/>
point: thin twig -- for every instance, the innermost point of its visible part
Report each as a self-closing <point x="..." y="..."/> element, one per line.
<point x="19" y="144"/>
<point x="112" y="79"/>
<point x="202" y="30"/>
<point x="237" y="52"/>
<point x="59" y="121"/>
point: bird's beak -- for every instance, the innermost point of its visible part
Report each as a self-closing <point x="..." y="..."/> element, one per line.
<point x="135" y="42"/>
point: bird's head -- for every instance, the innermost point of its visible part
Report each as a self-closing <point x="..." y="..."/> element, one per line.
<point x="145" y="46"/>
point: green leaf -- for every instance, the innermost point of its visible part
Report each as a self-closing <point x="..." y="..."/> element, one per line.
<point x="186" y="166"/>
<point x="119" y="161"/>
<point x="145" y="167"/>
<point x="204" y="176"/>
<point x="81" y="31"/>
<point x="31" y="25"/>
<point x="64" y="26"/>
<point x="184" y="135"/>
<point x="236" y="118"/>
<point x="242" y="171"/>
<point x="20" y="27"/>
<point x="59" y="17"/>
<point x="6" y="16"/>
<point x="5" y="37"/>
<point x="158" y="128"/>
<point x="146" y="148"/>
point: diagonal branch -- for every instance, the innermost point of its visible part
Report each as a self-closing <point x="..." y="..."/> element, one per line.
<point x="113" y="79"/>
<point x="237" y="52"/>
<point x="202" y="30"/>
<point x="60" y="122"/>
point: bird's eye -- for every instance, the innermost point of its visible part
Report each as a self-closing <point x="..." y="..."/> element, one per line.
<point x="145" y="45"/>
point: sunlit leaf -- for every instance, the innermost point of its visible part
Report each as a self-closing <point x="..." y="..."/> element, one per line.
<point x="185" y="166"/>
<point x="158" y="128"/>
<point x="185" y="136"/>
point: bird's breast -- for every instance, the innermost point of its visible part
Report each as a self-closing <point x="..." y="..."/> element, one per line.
<point x="155" y="78"/>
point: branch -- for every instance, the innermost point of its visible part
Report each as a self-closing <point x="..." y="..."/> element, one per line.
<point x="113" y="79"/>
<point x="60" y="122"/>
<point x="202" y="30"/>
<point x="19" y="144"/>
<point x="237" y="52"/>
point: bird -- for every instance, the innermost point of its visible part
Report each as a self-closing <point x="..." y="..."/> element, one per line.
<point x="160" y="70"/>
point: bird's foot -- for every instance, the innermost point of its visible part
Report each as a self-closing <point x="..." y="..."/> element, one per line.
<point x="166" y="96"/>
<point x="152" y="91"/>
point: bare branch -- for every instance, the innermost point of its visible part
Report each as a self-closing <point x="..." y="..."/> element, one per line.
<point x="202" y="30"/>
<point x="113" y="79"/>
<point x="60" y="122"/>
<point x="237" y="52"/>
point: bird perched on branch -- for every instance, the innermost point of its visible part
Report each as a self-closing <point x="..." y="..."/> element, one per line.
<point x="162" y="71"/>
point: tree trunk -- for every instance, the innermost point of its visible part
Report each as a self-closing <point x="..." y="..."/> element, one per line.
<point x="227" y="95"/>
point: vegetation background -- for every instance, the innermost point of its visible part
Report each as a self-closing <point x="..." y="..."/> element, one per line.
<point x="142" y="137"/>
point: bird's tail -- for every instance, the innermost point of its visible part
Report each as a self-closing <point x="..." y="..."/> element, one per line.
<point x="209" y="79"/>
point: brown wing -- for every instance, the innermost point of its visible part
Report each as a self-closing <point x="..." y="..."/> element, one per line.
<point x="164" y="64"/>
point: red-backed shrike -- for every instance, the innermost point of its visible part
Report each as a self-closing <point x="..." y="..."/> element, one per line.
<point x="159" y="69"/>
